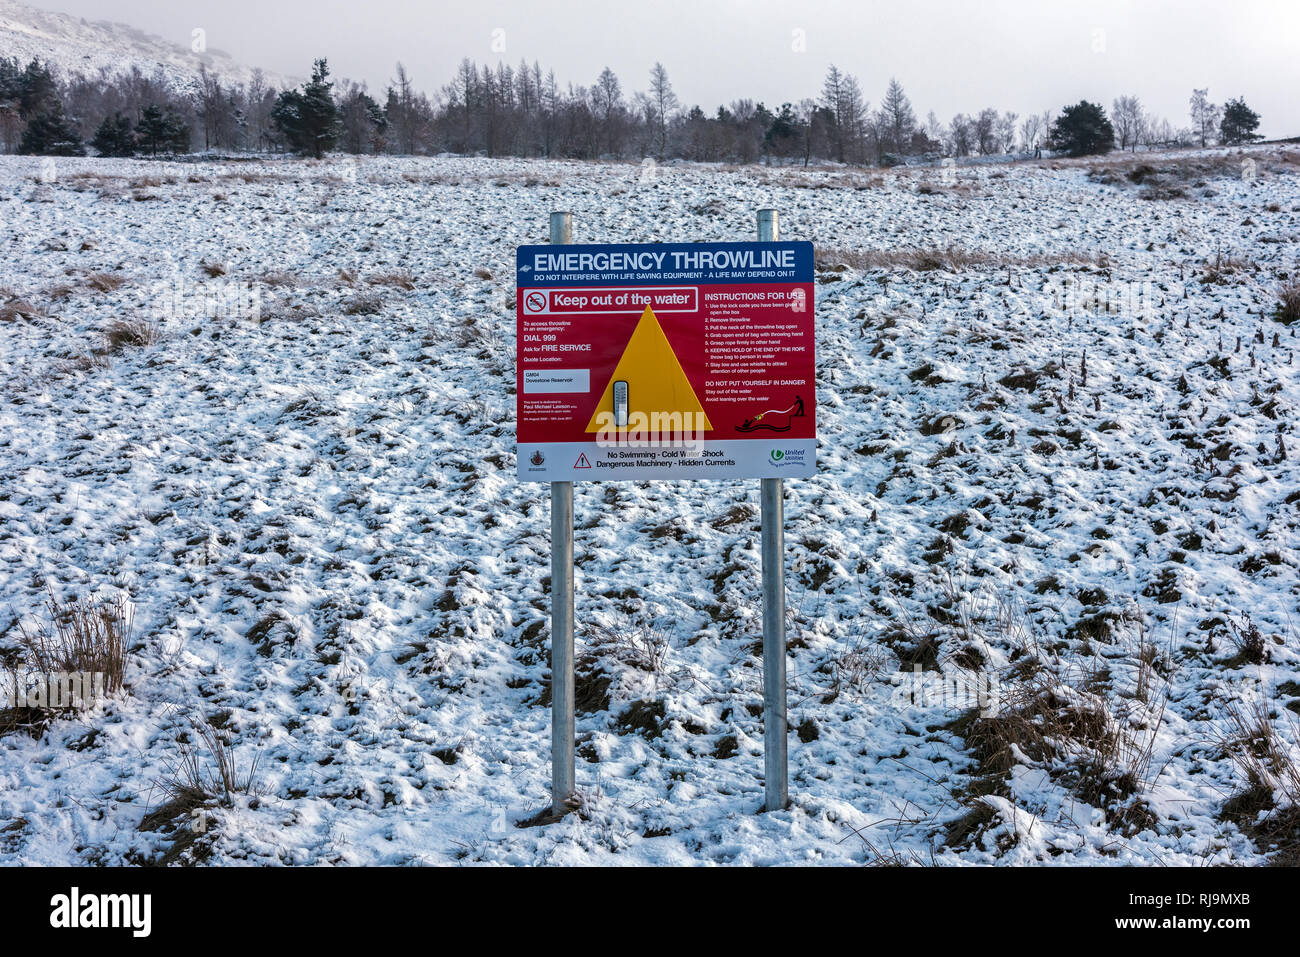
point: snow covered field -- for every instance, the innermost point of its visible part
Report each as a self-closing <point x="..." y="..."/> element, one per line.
<point x="1058" y="457"/>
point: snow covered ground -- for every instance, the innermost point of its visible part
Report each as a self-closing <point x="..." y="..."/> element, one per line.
<point x="1058" y="461"/>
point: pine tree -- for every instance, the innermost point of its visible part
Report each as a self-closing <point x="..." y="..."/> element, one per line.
<point x="898" y="119"/>
<point x="1083" y="130"/>
<point x="785" y="132"/>
<point x="1239" y="123"/>
<point x="52" y="133"/>
<point x="11" y="79"/>
<point x="178" y="132"/>
<point x="159" y="131"/>
<point x="114" y="137"/>
<point x="37" y="90"/>
<point x="154" y="131"/>
<point x="308" y="118"/>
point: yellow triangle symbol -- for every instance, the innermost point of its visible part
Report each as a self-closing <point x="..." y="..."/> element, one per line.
<point x="656" y="382"/>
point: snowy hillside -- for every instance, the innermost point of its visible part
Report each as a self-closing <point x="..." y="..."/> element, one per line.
<point x="75" y="45"/>
<point x="1058" y="459"/>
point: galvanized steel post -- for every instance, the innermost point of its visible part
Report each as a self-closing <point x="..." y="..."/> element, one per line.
<point x="772" y="500"/>
<point x="562" y="727"/>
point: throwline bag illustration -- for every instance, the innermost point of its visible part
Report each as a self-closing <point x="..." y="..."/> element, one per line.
<point x="655" y="386"/>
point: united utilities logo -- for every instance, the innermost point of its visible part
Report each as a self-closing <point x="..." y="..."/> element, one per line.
<point x="786" y="458"/>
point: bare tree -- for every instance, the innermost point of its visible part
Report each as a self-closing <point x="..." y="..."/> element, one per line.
<point x="847" y="114"/>
<point x="663" y="103"/>
<point x="361" y="120"/>
<point x="961" y="135"/>
<point x="1126" y="116"/>
<point x="985" y="131"/>
<point x="260" y="98"/>
<point x="607" y="98"/>
<point x="1006" y="132"/>
<point x="218" y="111"/>
<point x="1032" y="131"/>
<point x="1205" y="115"/>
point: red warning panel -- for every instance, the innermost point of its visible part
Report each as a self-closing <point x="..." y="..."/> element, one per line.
<point x="670" y="361"/>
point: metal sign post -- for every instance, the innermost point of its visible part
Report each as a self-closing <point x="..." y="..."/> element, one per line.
<point x="772" y="501"/>
<point x="562" y="727"/>
<point x="665" y="361"/>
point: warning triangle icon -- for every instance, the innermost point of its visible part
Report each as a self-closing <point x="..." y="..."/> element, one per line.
<point x="582" y="462"/>
<point x="656" y="383"/>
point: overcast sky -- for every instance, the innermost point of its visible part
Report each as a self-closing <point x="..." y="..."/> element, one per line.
<point x="950" y="55"/>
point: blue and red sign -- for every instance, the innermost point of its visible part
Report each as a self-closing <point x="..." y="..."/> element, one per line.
<point x="670" y="361"/>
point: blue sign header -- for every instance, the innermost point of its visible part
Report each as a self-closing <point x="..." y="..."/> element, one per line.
<point x="659" y="263"/>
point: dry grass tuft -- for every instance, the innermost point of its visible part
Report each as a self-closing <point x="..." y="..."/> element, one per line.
<point x="1222" y="269"/>
<point x="16" y="308"/>
<point x="397" y="278"/>
<point x="858" y="669"/>
<point x="279" y="279"/>
<point x="213" y="270"/>
<point x="104" y="281"/>
<point x="951" y="259"/>
<point x="1288" y="303"/>
<point x="363" y="304"/>
<point x="209" y="768"/>
<point x="124" y="333"/>
<point x="81" y="636"/>
<point x="1268" y="809"/>
<point x="643" y="643"/>
<point x="151" y="182"/>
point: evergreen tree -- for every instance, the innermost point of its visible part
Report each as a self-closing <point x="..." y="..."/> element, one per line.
<point x="11" y="77"/>
<point x="162" y="131"/>
<point x="1083" y="130"/>
<point x="37" y="91"/>
<point x="114" y="137"/>
<point x="1239" y="123"/>
<point x="785" y="133"/>
<point x="308" y="118"/>
<point x="52" y="133"/>
<point x="898" y="121"/>
<point x="178" y="132"/>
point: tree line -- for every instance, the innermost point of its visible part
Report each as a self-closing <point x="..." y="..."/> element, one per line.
<point x="523" y="111"/>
